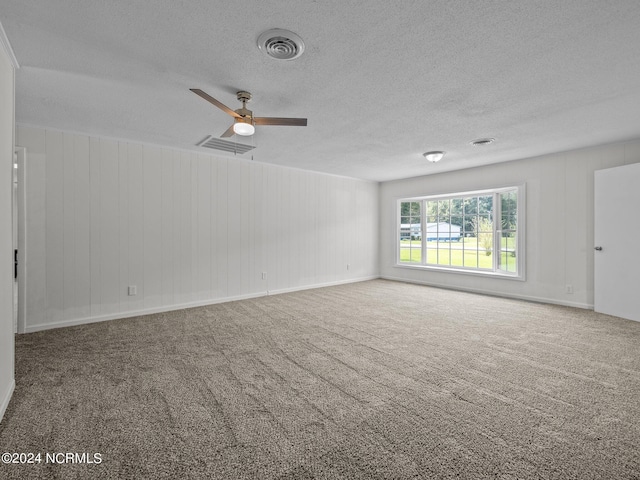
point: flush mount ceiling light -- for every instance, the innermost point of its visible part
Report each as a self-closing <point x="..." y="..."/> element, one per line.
<point x="482" y="141"/>
<point x="433" y="157"/>
<point x="281" y="44"/>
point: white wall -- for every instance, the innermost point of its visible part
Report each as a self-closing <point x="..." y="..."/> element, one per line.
<point x="559" y="222"/>
<point x="7" y="89"/>
<point x="185" y="228"/>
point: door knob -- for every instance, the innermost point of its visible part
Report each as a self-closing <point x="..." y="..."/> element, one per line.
<point x="598" y="249"/>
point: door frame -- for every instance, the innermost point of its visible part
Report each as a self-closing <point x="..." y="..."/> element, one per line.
<point x="20" y="239"/>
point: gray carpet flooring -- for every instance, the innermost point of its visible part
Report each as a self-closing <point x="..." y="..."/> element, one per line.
<point x="374" y="380"/>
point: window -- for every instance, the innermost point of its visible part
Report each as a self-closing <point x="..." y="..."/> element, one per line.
<point x="479" y="232"/>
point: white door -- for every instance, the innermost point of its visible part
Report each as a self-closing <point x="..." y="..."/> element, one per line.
<point x="617" y="237"/>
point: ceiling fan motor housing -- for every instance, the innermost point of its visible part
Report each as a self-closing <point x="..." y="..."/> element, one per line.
<point x="243" y="96"/>
<point x="243" y="111"/>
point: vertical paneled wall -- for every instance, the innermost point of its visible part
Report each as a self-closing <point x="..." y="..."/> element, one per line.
<point x="184" y="228"/>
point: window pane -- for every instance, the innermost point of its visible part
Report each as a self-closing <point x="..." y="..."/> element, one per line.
<point x="410" y="251"/>
<point x="471" y="206"/>
<point x="410" y="232"/>
<point x="456" y="206"/>
<point x="416" y="256"/>
<point x="444" y="258"/>
<point x="432" y="255"/>
<point x="485" y="204"/>
<point x="506" y="222"/>
<point x="405" y="230"/>
<point x="469" y="224"/>
<point x="416" y="251"/>
<point x="508" y="261"/>
<point x="431" y="209"/>
<point x="509" y="202"/>
<point x="485" y="251"/>
<point x="513" y="263"/>
<point x="509" y="222"/>
<point x="471" y="252"/>
<point x="405" y="250"/>
<point x="483" y="231"/>
<point x="456" y="228"/>
<point x="431" y="232"/>
<point x="457" y="253"/>
<point x="508" y="252"/>
<point x="484" y="223"/>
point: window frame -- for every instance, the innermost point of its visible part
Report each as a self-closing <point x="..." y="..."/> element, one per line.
<point x="497" y="230"/>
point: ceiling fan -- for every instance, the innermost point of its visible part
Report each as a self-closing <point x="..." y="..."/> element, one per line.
<point x="243" y="120"/>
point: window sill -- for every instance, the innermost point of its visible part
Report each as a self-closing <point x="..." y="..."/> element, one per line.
<point x="481" y="273"/>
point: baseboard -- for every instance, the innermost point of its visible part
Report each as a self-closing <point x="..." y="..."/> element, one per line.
<point x="491" y="293"/>
<point x="181" y="306"/>
<point x="322" y="285"/>
<point x="137" y="313"/>
<point x="6" y="398"/>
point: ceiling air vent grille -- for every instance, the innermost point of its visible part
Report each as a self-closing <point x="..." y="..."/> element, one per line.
<point x="482" y="141"/>
<point x="281" y="44"/>
<point x="218" y="144"/>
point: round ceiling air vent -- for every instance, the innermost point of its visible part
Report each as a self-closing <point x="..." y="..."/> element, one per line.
<point x="281" y="44"/>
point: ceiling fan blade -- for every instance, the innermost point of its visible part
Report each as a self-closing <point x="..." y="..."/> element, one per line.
<point x="228" y="133"/>
<point x="215" y="102"/>
<point x="291" y="122"/>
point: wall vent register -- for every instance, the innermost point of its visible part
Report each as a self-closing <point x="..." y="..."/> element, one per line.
<point x="216" y="143"/>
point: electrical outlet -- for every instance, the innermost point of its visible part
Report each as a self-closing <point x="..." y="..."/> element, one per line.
<point x="264" y="275"/>
<point x="133" y="290"/>
<point x="348" y="266"/>
<point x="569" y="288"/>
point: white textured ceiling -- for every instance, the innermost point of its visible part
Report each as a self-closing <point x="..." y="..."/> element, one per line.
<point x="380" y="82"/>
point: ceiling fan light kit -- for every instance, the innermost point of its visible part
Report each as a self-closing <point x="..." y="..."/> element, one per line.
<point x="243" y="126"/>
